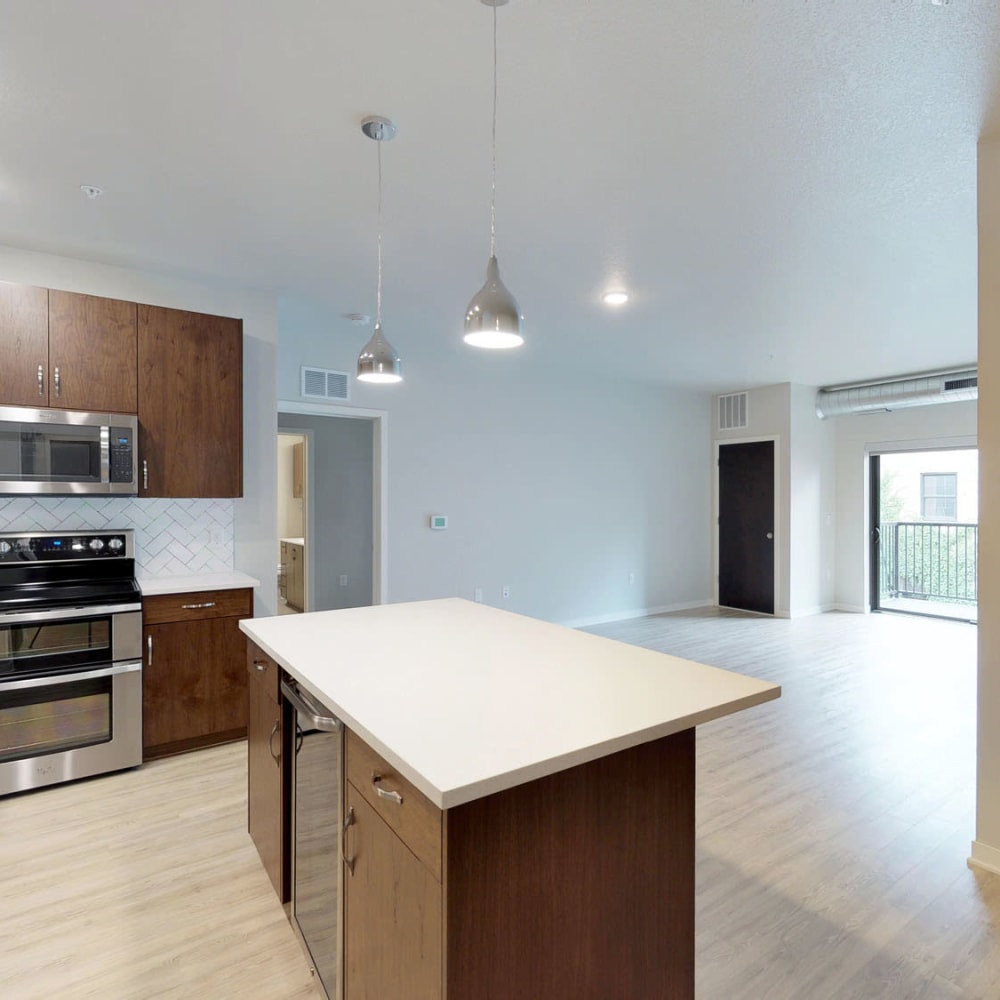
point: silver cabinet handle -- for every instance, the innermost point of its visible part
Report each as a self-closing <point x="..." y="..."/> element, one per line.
<point x="145" y="474"/>
<point x="149" y="650"/>
<point x="384" y="793"/>
<point x="276" y="757"/>
<point x="41" y="380"/>
<point x="55" y="378"/>
<point x="348" y="822"/>
<point x="261" y="665"/>
<point x="204" y="604"/>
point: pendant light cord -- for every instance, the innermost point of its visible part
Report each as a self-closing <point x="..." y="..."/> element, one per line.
<point x="493" y="190"/>
<point x="378" y="287"/>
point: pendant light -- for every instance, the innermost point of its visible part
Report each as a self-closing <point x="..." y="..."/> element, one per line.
<point x="493" y="319"/>
<point x="378" y="360"/>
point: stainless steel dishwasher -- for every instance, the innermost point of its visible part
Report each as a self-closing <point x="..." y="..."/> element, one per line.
<point x="317" y="812"/>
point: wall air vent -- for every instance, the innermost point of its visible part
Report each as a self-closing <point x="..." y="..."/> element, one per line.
<point x="952" y="384"/>
<point x="894" y="394"/>
<point x="734" y="411"/>
<point x="321" y="383"/>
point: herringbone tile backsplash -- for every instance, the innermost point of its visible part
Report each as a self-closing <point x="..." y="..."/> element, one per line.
<point x="172" y="537"/>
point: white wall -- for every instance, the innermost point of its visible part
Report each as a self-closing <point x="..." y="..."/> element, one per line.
<point x="986" y="848"/>
<point x="946" y="425"/>
<point x="769" y="415"/>
<point x="254" y="514"/>
<point x="558" y="489"/>
<point x="812" y="485"/>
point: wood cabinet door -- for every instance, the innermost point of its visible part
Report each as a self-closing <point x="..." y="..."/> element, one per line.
<point x="92" y="353"/>
<point x="24" y="333"/>
<point x="392" y="914"/>
<point x="264" y="785"/>
<point x="190" y="404"/>
<point x="194" y="685"/>
<point x="295" y="584"/>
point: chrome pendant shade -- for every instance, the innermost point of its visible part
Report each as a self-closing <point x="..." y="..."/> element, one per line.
<point x="378" y="360"/>
<point x="493" y="319"/>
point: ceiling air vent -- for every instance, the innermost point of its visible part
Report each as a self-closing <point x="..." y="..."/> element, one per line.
<point x="320" y="383"/>
<point x="733" y="411"/>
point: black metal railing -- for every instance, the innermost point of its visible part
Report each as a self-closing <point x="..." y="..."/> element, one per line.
<point x="929" y="560"/>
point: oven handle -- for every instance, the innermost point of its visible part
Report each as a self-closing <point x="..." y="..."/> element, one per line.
<point x="94" y="611"/>
<point x="128" y="667"/>
<point x="301" y="702"/>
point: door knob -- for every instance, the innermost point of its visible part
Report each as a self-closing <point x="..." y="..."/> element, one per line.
<point x="770" y="534"/>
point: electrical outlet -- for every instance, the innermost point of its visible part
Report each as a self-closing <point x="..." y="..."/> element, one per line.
<point x="505" y="591"/>
<point x="343" y="580"/>
<point x="478" y="595"/>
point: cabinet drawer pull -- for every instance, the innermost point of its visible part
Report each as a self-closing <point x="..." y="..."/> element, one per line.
<point x="270" y="743"/>
<point x="204" y="604"/>
<point x="55" y="378"/>
<point x="41" y="380"/>
<point x="384" y="793"/>
<point x="348" y="822"/>
<point x="149" y="650"/>
<point x="261" y="665"/>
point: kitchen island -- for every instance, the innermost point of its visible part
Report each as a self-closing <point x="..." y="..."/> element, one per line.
<point x="520" y="800"/>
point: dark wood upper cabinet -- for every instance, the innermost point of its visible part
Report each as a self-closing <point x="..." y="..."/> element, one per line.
<point x="92" y="353"/>
<point x="24" y="338"/>
<point x="190" y="404"/>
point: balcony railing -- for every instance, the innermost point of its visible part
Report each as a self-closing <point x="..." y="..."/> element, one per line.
<point x="929" y="560"/>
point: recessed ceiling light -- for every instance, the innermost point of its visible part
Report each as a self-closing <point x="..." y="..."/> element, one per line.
<point x="615" y="298"/>
<point x="91" y="191"/>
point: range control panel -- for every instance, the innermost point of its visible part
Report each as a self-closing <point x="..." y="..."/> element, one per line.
<point x="51" y="546"/>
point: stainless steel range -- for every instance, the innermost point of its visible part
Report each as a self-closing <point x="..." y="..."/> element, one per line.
<point x="70" y="657"/>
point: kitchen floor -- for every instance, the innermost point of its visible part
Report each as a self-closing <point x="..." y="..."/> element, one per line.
<point x="833" y="831"/>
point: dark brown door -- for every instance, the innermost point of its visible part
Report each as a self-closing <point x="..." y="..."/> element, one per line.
<point x="190" y="404"/>
<point x="24" y="338"/>
<point x="746" y="526"/>
<point x="92" y="353"/>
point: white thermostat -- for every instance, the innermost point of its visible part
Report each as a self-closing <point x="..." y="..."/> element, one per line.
<point x="439" y="521"/>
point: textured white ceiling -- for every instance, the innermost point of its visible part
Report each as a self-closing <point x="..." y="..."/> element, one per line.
<point x="787" y="187"/>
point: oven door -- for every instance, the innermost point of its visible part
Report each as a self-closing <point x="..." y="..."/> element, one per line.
<point x="70" y="725"/>
<point x="34" y="644"/>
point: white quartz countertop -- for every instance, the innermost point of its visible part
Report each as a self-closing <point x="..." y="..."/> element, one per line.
<point x="466" y="700"/>
<point x="151" y="586"/>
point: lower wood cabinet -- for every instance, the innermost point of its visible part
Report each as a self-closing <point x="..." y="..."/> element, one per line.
<point x="194" y="670"/>
<point x="268" y="792"/>
<point x="576" y="886"/>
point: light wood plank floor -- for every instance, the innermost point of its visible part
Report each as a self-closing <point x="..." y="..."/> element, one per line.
<point x="833" y="829"/>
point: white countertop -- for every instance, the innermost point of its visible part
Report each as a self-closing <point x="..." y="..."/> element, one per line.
<point x="466" y="700"/>
<point x="233" y="580"/>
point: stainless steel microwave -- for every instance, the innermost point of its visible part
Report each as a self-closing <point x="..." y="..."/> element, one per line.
<point x="66" y="452"/>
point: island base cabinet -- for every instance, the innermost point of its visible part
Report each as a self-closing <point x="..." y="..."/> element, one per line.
<point x="575" y="886"/>
<point x="392" y="923"/>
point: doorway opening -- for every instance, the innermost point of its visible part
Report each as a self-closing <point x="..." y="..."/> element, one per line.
<point x="293" y="590"/>
<point x="925" y="532"/>
<point x="336" y="458"/>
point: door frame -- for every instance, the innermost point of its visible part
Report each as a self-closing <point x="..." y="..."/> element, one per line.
<point x="779" y="539"/>
<point x="380" y="479"/>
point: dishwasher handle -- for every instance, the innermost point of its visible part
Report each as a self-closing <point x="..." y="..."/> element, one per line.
<point x="311" y="712"/>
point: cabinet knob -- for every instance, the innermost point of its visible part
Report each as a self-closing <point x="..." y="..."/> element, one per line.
<point x="145" y="474"/>
<point x="261" y="665"/>
<point x="276" y="757"/>
<point x="149" y="650"/>
<point x="55" y="379"/>
<point x="41" y="380"/>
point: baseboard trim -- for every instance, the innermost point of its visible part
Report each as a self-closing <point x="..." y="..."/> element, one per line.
<point x="817" y="609"/>
<point x="621" y="616"/>
<point x="984" y="857"/>
<point x="851" y="609"/>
